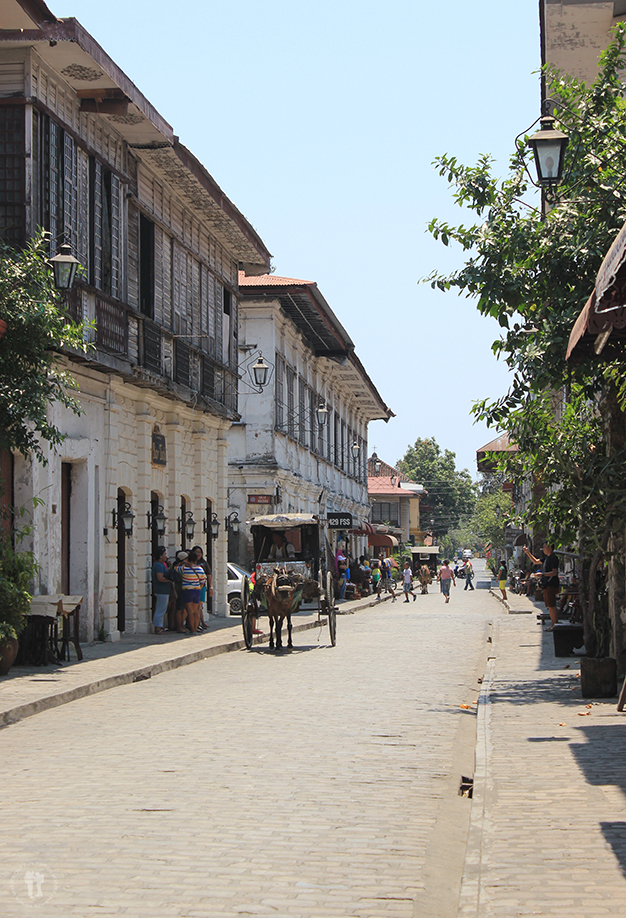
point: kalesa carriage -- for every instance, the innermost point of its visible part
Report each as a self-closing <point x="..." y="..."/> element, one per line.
<point x="281" y="583"/>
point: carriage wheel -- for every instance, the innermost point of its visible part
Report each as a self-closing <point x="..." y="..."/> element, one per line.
<point x="332" y="625"/>
<point x="330" y="590"/>
<point x="247" y="617"/>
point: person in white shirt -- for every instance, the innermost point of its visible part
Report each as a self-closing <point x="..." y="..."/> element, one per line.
<point x="281" y="550"/>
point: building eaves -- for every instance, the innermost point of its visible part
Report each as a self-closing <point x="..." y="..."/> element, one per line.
<point x="69" y="50"/>
<point x="306" y="307"/>
<point x="24" y="14"/>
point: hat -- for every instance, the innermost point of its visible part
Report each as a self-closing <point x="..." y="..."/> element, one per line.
<point x="181" y="555"/>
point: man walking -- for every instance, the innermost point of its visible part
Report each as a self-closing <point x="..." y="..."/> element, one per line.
<point x="407" y="581"/>
<point x="469" y="575"/>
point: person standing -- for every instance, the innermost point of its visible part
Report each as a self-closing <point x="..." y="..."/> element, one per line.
<point x="445" y="577"/>
<point x="502" y="578"/>
<point x="549" y="579"/>
<point x="407" y="581"/>
<point x="207" y="589"/>
<point x="194" y="579"/>
<point x="161" y="587"/>
<point x="469" y="575"/>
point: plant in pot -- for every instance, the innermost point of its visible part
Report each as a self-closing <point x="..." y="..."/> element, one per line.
<point x="17" y="570"/>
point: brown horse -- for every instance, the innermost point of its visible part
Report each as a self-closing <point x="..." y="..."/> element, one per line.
<point x="425" y="577"/>
<point x="283" y="592"/>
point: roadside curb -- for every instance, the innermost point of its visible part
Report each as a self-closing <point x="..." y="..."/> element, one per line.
<point x="503" y="602"/>
<point x="140" y="673"/>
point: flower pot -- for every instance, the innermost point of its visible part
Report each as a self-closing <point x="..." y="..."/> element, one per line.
<point x="598" y="677"/>
<point x="8" y="653"/>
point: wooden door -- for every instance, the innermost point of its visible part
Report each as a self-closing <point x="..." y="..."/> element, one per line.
<point x="121" y="563"/>
<point x="66" y="511"/>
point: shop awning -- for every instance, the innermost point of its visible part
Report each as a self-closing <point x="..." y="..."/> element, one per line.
<point x="380" y="540"/>
<point x="600" y="327"/>
<point x="364" y="528"/>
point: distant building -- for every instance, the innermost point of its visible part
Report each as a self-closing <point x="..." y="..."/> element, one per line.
<point x="281" y="458"/>
<point x="395" y="502"/>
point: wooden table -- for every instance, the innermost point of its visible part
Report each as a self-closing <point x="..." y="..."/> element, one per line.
<point x="50" y="611"/>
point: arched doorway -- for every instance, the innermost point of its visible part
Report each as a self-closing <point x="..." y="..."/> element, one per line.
<point x="121" y="562"/>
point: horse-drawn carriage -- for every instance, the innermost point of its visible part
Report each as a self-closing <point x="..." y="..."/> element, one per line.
<point x="290" y="569"/>
<point x="425" y="564"/>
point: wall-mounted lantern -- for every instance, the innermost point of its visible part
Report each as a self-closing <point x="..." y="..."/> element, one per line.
<point x="126" y="518"/>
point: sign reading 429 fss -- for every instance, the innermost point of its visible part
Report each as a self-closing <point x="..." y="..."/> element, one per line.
<point x="339" y="520"/>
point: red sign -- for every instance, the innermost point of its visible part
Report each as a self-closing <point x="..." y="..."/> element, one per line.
<point x="260" y="498"/>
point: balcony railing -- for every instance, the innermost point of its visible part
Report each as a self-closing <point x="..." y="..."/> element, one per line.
<point x="111" y="326"/>
<point x="151" y="349"/>
<point x="182" y="363"/>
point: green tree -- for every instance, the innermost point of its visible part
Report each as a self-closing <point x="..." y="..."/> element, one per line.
<point x="451" y="493"/>
<point x="533" y="272"/>
<point x="32" y="376"/>
<point x="494" y="510"/>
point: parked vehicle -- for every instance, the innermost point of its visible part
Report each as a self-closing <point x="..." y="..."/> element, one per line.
<point x="236" y="577"/>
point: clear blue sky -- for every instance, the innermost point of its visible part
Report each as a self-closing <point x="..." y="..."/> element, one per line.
<point x="320" y="120"/>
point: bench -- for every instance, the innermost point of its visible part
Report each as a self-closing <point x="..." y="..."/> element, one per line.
<point x="43" y="642"/>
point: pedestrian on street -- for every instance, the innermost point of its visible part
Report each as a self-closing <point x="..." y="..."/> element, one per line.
<point x="385" y="576"/>
<point x="407" y="581"/>
<point x="502" y="578"/>
<point x="446" y="574"/>
<point x="469" y="575"/>
<point x="207" y="589"/>
<point x="161" y="587"/>
<point x="194" y="579"/>
<point x="549" y="582"/>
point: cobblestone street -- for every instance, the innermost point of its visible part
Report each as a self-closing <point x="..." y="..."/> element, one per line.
<point x="319" y="782"/>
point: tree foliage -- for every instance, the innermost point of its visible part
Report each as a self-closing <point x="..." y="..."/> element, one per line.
<point x="31" y="374"/>
<point x="451" y="493"/>
<point x="533" y="273"/>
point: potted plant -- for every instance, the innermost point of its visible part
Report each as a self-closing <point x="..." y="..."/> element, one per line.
<point x="17" y="570"/>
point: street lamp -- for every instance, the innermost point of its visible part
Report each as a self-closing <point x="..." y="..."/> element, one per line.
<point x="356" y="449"/>
<point x="213" y="524"/>
<point x="260" y="371"/>
<point x="232" y="522"/>
<point x="64" y="267"/>
<point x="189" y="523"/>
<point x="322" y="414"/>
<point x="159" y="519"/>
<point x="377" y="463"/>
<point x="548" y="145"/>
<point x="126" y="518"/>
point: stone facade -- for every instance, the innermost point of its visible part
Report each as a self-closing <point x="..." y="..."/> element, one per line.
<point x="89" y="159"/>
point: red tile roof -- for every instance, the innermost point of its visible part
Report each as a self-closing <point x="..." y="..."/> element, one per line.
<point x="272" y="280"/>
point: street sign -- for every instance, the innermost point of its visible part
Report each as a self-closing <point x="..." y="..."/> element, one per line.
<point x="260" y="498"/>
<point x="339" y="520"/>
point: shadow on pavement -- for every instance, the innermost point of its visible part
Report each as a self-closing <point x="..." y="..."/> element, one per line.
<point x="602" y="759"/>
<point x="615" y="834"/>
<point x="555" y="686"/>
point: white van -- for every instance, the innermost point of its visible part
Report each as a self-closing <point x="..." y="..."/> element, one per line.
<point x="467" y="553"/>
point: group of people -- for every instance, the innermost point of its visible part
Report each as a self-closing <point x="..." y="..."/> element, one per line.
<point x="369" y="575"/>
<point x="182" y="588"/>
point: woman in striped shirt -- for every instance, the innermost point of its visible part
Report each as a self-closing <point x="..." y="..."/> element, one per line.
<point x="194" y="579"/>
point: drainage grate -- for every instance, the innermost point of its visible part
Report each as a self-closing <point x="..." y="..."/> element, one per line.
<point x="466" y="787"/>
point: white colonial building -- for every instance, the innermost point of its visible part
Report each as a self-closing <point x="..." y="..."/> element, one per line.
<point x="281" y="459"/>
<point x="87" y="157"/>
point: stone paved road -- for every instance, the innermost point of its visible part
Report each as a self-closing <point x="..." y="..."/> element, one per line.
<point x="322" y="782"/>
